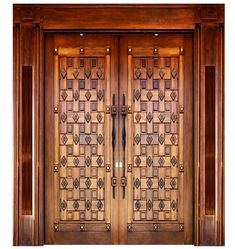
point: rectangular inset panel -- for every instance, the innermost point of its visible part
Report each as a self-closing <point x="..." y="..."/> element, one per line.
<point x="26" y="127"/>
<point x="210" y="140"/>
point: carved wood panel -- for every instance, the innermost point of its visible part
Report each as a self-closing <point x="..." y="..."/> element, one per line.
<point x="82" y="166"/>
<point x="156" y="144"/>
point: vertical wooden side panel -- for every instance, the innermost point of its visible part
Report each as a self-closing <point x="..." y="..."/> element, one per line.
<point x="211" y="128"/>
<point x="16" y="64"/>
<point x="197" y="77"/>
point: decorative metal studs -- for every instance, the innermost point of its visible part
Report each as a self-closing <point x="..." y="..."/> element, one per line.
<point x="108" y="227"/>
<point x="108" y="50"/>
<point x="181" y="227"/>
<point x="55" y="51"/>
<point x="181" y="109"/>
<point x="56" y="227"/>
<point x="82" y="51"/>
<point x="129" y="227"/>
<point x="82" y="227"/>
<point x="181" y="50"/>
<point x="56" y="168"/>
<point x="155" y="227"/>
<point x="155" y="50"/>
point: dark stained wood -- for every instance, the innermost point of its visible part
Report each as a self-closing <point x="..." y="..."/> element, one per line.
<point x="210" y="140"/>
<point x="27" y="142"/>
<point x="30" y="21"/>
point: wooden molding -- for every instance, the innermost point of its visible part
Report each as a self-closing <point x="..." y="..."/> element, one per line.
<point x="207" y="24"/>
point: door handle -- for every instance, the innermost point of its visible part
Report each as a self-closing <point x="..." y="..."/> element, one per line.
<point x="114" y="113"/>
<point x="123" y="179"/>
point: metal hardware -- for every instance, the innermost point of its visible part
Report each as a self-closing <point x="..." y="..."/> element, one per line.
<point x="56" y="168"/>
<point x="82" y="227"/>
<point x="55" y="51"/>
<point x="113" y="113"/>
<point x="155" y="227"/>
<point x="81" y="50"/>
<point x="155" y="51"/>
<point x="124" y="112"/>
<point x="108" y="227"/>
<point x="181" y="109"/>
<point x="181" y="227"/>
<point x="56" y="226"/>
<point x="123" y="181"/>
<point x="181" y="50"/>
<point x="129" y="50"/>
<point x="114" y="181"/>
<point x="129" y="227"/>
<point x="108" y="51"/>
<point x="56" y="109"/>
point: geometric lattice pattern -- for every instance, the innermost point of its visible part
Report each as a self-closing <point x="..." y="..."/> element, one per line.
<point x="81" y="133"/>
<point x="155" y="138"/>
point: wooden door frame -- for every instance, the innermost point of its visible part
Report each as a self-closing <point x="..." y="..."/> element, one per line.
<point x="32" y="21"/>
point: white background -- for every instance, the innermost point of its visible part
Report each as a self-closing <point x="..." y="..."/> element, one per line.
<point x="6" y="119"/>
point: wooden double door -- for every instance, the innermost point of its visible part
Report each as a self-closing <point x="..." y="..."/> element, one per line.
<point x="118" y="139"/>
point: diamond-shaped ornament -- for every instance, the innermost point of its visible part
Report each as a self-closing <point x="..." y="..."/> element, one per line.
<point x="137" y="138"/>
<point x="76" y="183"/>
<point x="99" y="117"/>
<point x="75" y="73"/>
<point x="88" y="117"/>
<point x="75" y="95"/>
<point x="99" y="73"/>
<point x="138" y="117"/>
<point x="173" y="95"/>
<point x="161" y="161"/>
<point x="149" y="95"/>
<point x="137" y="73"/>
<point x="76" y="139"/>
<point x="76" y="161"/>
<point x="161" y="205"/>
<point x="137" y="183"/>
<point x="149" y="117"/>
<point x="173" y="139"/>
<point x="76" y="205"/>
<point x="173" y="205"/>
<point x="64" y="139"/>
<point x="161" y="73"/>
<point x="149" y="139"/>
<point x="63" y="73"/>
<point x="149" y="183"/>
<point x="150" y="72"/>
<point x="137" y="94"/>
<point x="149" y="161"/>
<point x="88" y="182"/>
<point x="88" y="139"/>
<point x="64" y="183"/>
<point x="75" y="117"/>
<point x="87" y="72"/>
<point x="173" y="161"/>
<point x="137" y="161"/>
<point x="100" y="183"/>
<point x="100" y="139"/>
<point x="137" y="205"/>
<point x="161" y="95"/>
<point x="99" y="161"/>
<point x="149" y="205"/>
<point x="161" y="139"/>
<point x="100" y="205"/>
<point x="161" y="183"/>
<point x="88" y="161"/>
<point x="63" y="161"/>
<point x="88" y="95"/>
<point x="174" y="73"/>
<point x="161" y="117"/>
<point x="63" y="117"/>
<point x="100" y="94"/>
<point x="63" y="205"/>
<point x="173" y="117"/>
<point x="64" y="95"/>
<point x="88" y="205"/>
<point x="173" y="183"/>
